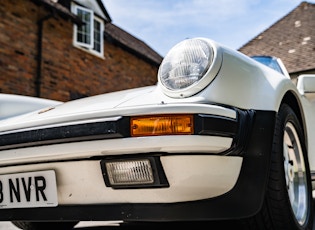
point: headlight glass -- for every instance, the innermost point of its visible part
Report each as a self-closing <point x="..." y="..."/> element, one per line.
<point x="185" y="64"/>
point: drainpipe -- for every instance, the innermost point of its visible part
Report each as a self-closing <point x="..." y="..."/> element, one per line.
<point x="38" y="79"/>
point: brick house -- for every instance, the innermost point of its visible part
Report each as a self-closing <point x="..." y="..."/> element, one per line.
<point x="65" y="49"/>
<point x="292" y="38"/>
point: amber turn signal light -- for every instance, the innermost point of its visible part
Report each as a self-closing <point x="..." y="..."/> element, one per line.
<point x="161" y="125"/>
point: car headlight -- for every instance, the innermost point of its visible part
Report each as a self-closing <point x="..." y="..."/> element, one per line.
<point x="189" y="67"/>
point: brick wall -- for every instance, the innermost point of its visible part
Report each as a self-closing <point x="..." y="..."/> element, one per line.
<point x="17" y="47"/>
<point x="67" y="72"/>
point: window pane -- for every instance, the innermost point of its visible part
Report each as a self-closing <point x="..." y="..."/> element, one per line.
<point x="84" y="31"/>
<point x="97" y="36"/>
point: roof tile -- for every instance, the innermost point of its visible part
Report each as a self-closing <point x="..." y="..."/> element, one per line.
<point x="133" y="44"/>
<point x="292" y="39"/>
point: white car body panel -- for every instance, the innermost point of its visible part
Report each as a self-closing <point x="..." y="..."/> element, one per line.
<point x="309" y="116"/>
<point x="88" y="185"/>
<point x="80" y="111"/>
<point x="82" y="150"/>
<point x="14" y="105"/>
<point x="243" y="93"/>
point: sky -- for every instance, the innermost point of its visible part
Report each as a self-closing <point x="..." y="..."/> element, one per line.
<point x="161" y="24"/>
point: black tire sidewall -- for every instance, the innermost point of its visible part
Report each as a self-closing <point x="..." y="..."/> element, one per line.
<point x="277" y="198"/>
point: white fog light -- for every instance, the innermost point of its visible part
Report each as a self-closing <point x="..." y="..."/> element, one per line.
<point x="129" y="172"/>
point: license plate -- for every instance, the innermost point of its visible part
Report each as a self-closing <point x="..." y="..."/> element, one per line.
<point x="28" y="190"/>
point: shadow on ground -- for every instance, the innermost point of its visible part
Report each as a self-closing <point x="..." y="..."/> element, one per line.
<point x="220" y="225"/>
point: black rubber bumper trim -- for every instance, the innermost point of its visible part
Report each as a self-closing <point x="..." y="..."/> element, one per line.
<point x="64" y="134"/>
<point x="244" y="200"/>
<point x="204" y="125"/>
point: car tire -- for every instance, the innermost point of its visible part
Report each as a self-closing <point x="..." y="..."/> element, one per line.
<point x="288" y="202"/>
<point x="44" y="225"/>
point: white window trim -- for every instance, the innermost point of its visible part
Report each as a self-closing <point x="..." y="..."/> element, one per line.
<point x="85" y="46"/>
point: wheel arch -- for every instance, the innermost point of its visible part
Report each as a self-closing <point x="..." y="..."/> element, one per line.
<point x="291" y="99"/>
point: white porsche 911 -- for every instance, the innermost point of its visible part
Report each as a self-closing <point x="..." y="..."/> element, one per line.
<point x="220" y="137"/>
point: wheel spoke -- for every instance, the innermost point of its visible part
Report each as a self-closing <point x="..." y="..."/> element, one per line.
<point x="295" y="174"/>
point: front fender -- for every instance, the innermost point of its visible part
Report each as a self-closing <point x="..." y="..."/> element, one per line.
<point x="244" y="83"/>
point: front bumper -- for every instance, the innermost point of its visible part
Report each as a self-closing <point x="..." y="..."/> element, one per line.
<point x="190" y="178"/>
<point x="202" y="186"/>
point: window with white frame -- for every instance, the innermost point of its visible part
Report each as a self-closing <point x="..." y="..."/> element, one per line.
<point x="89" y="35"/>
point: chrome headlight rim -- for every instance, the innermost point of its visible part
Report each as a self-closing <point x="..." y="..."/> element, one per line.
<point x="209" y="75"/>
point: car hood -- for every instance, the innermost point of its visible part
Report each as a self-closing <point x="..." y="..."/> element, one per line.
<point x="100" y="106"/>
